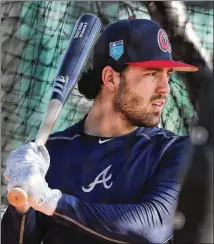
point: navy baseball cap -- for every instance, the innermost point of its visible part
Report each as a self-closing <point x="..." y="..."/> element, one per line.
<point x="137" y="42"/>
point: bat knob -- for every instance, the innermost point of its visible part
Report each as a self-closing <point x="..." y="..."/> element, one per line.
<point x="17" y="197"/>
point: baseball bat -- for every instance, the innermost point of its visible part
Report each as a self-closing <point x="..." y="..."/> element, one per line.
<point x="84" y="35"/>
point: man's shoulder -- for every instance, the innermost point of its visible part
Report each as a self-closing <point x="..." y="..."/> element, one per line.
<point x="160" y="133"/>
<point x="162" y="138"/>
<point x="66" y="134"/>
<point x="172" y="142"/>
<point x="166" y="144"/>
<point x="169" y="136"/>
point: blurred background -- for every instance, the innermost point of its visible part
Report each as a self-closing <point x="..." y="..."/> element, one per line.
<point x="34" y="37"/>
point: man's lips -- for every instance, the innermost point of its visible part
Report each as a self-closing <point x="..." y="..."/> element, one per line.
<point x="158" y="105"/>
<point x="159" y="102"/>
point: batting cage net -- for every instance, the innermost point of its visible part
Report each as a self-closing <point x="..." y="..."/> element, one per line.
<point x="35" y="35"/>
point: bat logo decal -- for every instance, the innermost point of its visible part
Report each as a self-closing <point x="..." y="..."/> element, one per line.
<point x="60" y="84"/>
<point x="81" y="30"/>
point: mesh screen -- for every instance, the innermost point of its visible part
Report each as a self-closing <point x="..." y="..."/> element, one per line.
<point x="34" y="37"/>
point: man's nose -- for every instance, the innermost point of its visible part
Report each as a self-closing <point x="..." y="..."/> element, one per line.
<point x="163" y="87"/>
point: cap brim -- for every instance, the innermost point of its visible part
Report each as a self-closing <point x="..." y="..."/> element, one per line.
<point x="178" y="66"/>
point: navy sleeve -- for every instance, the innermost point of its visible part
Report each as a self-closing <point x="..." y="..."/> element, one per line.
<point x="147" y="222"/>
<point x="17" y="228"/>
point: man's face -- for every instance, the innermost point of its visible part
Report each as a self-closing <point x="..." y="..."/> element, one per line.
<point x="141" y="95"/>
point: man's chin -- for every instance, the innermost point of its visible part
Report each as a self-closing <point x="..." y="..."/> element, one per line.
<point x="151" y="123"/>
<point x="147" y="124"/>
<point x="142" y="119"/>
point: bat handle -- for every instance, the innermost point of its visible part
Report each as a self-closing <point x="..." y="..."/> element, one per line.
<point x="17" y="196"/>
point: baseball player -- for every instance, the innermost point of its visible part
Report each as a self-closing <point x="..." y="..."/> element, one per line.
<point x="113" y="177"/>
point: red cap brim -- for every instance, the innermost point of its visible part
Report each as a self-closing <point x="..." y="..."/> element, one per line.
<point x="178" y="66"/>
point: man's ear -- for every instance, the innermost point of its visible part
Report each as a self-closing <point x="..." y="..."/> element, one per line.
<point x="110" y="78"/>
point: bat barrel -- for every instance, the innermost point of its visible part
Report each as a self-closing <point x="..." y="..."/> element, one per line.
<point x="80" y="45"/>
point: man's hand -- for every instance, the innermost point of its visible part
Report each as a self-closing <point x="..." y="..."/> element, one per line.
<point x="40" y="196"/>
<point x="26" y="168"/>
<point x="28" y="154"/>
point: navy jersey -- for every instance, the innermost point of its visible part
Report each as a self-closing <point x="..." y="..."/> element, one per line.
<point x="115" y="189"/>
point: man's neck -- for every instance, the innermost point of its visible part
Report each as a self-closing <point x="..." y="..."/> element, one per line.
<point x="103" y="121"/>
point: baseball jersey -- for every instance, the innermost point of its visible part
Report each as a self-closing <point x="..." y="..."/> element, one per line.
<point x="115" y="189"/>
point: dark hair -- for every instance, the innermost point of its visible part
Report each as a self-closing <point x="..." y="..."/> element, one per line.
<point x="90" y="83"/>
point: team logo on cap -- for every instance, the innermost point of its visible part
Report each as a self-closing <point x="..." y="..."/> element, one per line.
<point x="163" y="41"/>
<point x="116" y="49"/>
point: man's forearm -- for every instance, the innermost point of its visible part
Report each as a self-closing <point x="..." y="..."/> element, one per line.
<point x="119" y="223"/>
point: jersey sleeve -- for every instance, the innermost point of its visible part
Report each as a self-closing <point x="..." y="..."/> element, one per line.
<point x="17" y="228"/>
<point x="150" y="221"/>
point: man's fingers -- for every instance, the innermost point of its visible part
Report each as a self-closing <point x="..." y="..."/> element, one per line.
<point x="7" y="174"/>
<point x="45" y="153"/>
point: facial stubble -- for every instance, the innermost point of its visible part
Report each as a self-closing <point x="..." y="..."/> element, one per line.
<point x="130" y="107"/>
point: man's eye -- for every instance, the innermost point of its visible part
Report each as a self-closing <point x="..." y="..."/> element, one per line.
<point x="169" y="75"/>
<point x="152" y="74"/>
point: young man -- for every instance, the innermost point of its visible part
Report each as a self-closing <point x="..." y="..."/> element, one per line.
<point x="114" y="176"/>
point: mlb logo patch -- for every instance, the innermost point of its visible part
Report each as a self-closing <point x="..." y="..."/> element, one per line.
<point x="116" y="49"/>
